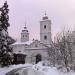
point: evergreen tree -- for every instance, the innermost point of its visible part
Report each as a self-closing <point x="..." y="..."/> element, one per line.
<point x="5" y="49"/>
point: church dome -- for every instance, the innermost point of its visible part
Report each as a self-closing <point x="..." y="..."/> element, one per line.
<point x="25" y="29"/>
<point x="45" y="17"/>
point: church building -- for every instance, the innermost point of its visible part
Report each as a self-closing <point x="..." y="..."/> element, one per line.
<point x="33" y="51"/>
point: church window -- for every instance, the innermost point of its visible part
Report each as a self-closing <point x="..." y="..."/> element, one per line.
<point x="44" y="26"/>
<point x="45" y="37"/>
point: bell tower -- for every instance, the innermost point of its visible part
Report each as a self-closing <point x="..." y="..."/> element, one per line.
<point x="25" y="35"/>
<point x="45" y="30"/>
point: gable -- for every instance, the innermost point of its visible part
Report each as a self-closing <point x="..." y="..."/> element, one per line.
<point x="36" y="45"/>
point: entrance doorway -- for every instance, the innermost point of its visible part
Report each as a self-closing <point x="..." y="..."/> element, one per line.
<point x="19" y="58"/>
<point x="38" y="58"/>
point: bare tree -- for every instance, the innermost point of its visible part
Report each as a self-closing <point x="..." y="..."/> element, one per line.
<point x="64" y="50"/>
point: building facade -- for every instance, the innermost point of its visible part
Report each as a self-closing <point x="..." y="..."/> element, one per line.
<point x="33" y="51"/>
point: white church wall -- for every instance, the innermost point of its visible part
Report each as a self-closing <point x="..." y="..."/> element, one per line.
<point x="31" y="55"/>
<point x="18" y="49"/>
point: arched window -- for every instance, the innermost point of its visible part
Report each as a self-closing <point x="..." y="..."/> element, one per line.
<point x="44" y="26"/>
<point x="45" y="37"/>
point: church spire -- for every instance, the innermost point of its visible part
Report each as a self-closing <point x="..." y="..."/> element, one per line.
<point x="45" y="30"/>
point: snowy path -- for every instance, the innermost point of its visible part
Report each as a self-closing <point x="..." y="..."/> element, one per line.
<point x="4" y="70"/>
<point x="28" y="69"/>
<point x="34" y="72"/>
<point x="23" y="70"/>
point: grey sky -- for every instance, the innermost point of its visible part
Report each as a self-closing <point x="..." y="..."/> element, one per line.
<point x="60" y="12"/>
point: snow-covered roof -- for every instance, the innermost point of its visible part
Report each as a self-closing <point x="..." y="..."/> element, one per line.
<point x="30" y="42"/>
<point x="21" y="43"/>
<point x="20" y="52"/>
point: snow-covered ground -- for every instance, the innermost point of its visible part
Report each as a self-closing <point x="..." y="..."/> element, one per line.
<point x="51" y="70"/>
<point x="45" y="70"/>
<point x="4" y="70"/>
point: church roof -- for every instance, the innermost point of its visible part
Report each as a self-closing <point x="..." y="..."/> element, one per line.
<point x="32" y="42"/>
<point x="21" y="43"/>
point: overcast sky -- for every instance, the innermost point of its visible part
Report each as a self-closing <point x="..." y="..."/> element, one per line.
<point x="60" y="12"/>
